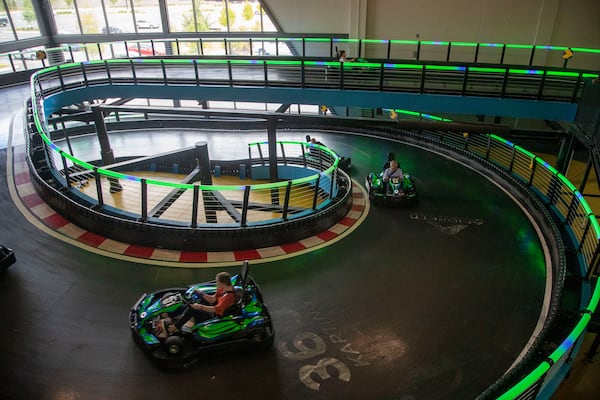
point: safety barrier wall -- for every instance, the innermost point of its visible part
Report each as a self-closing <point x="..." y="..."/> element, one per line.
<point x="561" y="198"/>
<point x="200" y="205"/>
<point x="321" y="48"/>
<point x="573" y="213"/>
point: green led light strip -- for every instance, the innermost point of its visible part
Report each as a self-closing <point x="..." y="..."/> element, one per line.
<point x="513" y="71"/>
<point x="533" y="377"/>
<point x="118" y="175"/>
<point x="527" y="382"/>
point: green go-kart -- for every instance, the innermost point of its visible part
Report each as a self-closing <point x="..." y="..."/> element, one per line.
<point x="396" y="191"/>
<point x="154" y="323"/>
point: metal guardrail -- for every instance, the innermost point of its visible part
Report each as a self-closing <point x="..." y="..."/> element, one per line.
<point x="542" y="84"/>
<point x="561" y="198"/>
<point x="571" y="210"/>
<point x="323" y="48"/>
<point x="196" y="204"/>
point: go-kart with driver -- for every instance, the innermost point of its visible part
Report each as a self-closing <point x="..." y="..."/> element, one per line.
<point x="155" y="322"/>
<point x="394" y="190"/>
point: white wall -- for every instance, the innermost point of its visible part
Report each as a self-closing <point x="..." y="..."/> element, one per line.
<point x="314" y="16"/>
<point x="573" y="23"/>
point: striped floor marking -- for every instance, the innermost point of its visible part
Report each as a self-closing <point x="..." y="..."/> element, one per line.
<point x="45" y="218"/>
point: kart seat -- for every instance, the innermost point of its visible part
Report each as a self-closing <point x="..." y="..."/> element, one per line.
<point x="239" y="303"/>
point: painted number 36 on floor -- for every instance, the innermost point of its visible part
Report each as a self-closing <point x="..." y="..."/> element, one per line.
<point x="304" y="352"/>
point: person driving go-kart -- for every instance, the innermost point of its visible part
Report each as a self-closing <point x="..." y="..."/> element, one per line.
<point x="392" y="172"/>
<point x="223" y="299"/>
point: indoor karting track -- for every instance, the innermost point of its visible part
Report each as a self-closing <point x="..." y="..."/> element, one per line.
<point x="430" y="302"/>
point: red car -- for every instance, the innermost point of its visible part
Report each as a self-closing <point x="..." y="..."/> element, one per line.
<point x="144" y="49"/>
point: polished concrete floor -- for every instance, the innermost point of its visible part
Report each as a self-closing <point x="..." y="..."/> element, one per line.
<point x="408" y="307"/>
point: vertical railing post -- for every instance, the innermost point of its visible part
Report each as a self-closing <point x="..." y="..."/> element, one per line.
<point x="576" y="89"/>
<point x="244" y="220"/>
<point x="230" y="73"/>
<point x="448" y="51"/>
<point x="98" y="188"/>
<point x="303" y="47"/>
<point x="592" y="269"/>
<point x="144" y="200"/>
<point x="533" y="169"/>
<point x="84" y="74"/>
<point x="586" y="230"/>
<point x="195" y="197"/>
<point x="108" y="75"/>
<point x="541" y="89"/>
<point x="316" y="193"/>
<point x="532" y="55"/>
<point x="286" y="201"/>
<point x="332" y="184"/>
<point x="283" y="153"/>
<point x="265" y="69"/>
<point x="66" y="169"/>
<point x="512" y="160"/>
<point x="196" y="72"/>
<point x="552" y="190"/>
<point x="164" y="72"/>
<point x="389" y="49"/>
<point x="488" y="147"/>
<point x="571" y="209"/>
<point x="133" y="74"/>
<point x="504" y="83"/>
<point x="303" y="147"/>
<point x="465" y="80"/>
<point x="60" y="78"/>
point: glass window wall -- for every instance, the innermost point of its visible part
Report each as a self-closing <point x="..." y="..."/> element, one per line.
<point x="22" y="16"/>
<point x="146" y="14"/>
<point x="7" y="33"/>
<point x="66" y="16"/>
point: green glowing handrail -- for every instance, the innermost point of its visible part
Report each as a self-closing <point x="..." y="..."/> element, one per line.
<point x="434" y="67"/>
<point x="119" y="175"/>
<point x="593" y="304"/>
<point x="533" y="377"/>
<point x="568" y="343"/>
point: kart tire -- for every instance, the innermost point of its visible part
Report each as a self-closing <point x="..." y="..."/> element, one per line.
<point x="174" y="345"/>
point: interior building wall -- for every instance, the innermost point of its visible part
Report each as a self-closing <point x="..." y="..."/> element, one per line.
<point x="571" y="23"/>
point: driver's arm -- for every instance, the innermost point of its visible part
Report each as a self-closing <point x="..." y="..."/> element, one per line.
<point x="208" y="298"/>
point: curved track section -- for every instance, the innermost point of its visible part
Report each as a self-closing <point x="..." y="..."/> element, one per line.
<point x="419" y="303"/>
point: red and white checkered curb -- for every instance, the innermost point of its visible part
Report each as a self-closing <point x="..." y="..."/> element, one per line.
<point x="34" y="205"/>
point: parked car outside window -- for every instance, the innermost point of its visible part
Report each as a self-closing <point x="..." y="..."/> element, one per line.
<point x="145" y="24"/>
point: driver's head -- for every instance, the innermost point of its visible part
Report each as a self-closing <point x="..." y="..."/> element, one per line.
<point x="394" y="165"/>
<point x="224" y="278"/>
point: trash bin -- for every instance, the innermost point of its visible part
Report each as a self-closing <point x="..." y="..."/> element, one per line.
<point x="217" y="171"/>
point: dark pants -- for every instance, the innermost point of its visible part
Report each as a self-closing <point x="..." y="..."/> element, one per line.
<point x="199" y="316"/>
